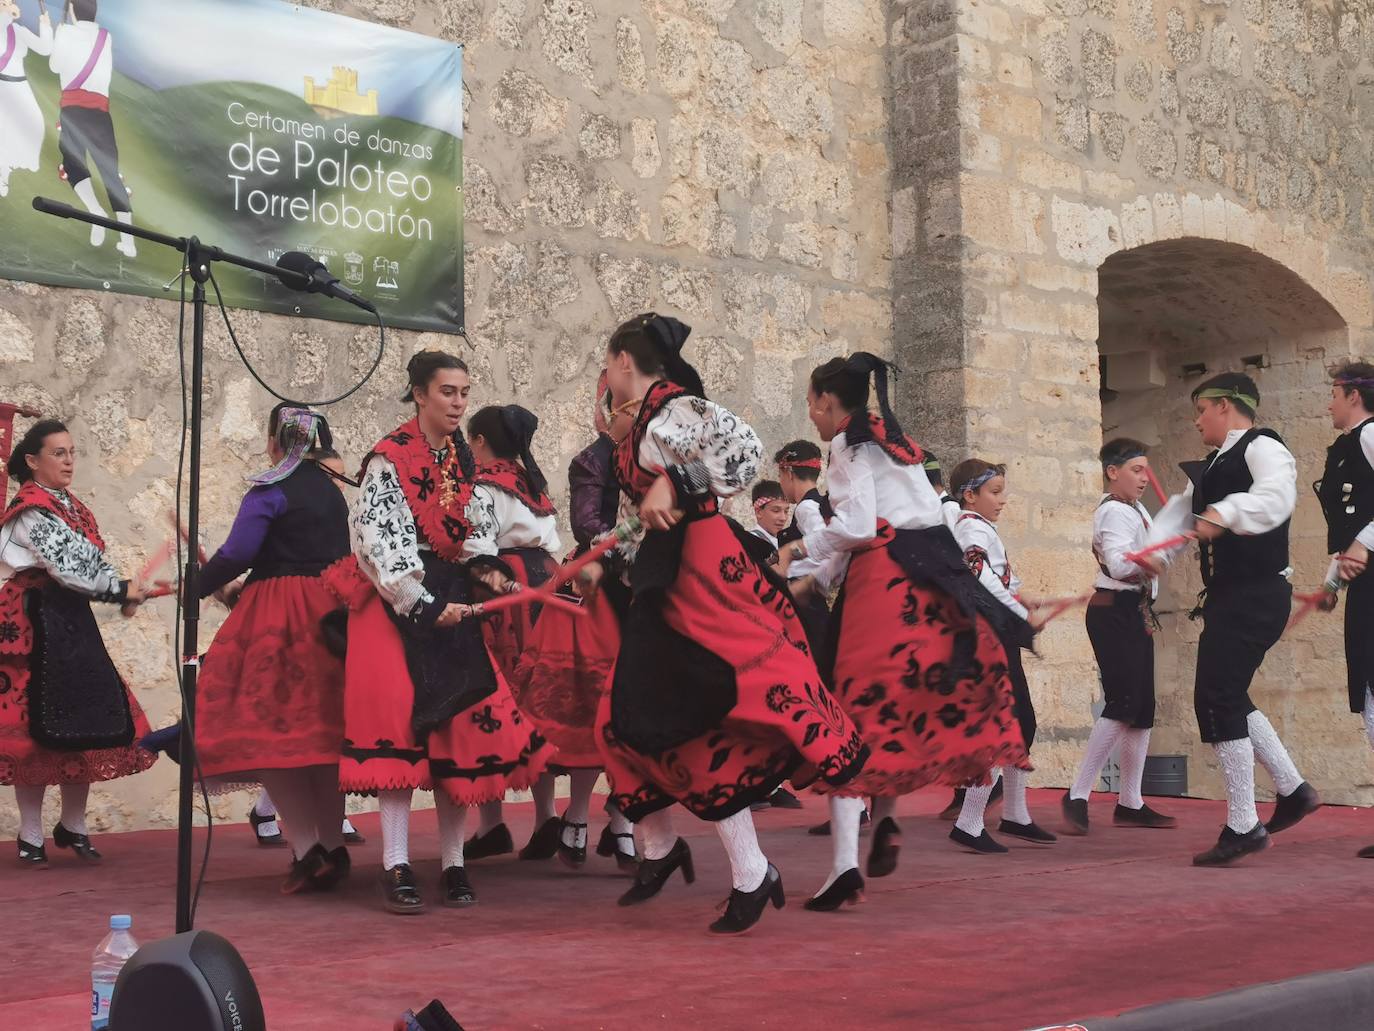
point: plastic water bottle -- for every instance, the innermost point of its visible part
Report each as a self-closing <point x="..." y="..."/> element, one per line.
<point x="106" y="964"/>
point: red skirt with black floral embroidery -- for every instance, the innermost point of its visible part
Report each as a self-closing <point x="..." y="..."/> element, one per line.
<point x="896" y="640"/>
<point x="784" y="723"/>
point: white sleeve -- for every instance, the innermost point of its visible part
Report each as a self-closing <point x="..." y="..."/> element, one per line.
<point x="976" y="541"/>
<point x="1366" y="536"/>
<point x="385" y="539"/>
<point x="1270" y="501"/>
<point x="65" y="555"/>
<point x="40" y="42"/>
<point x="854" y="504"/>
<point x="716" y="449"/>
<point x="1174" y="518"/>
<point x="1116" y="538"/>
<point x="808" y="517"/>
<point x="486" y="527"/>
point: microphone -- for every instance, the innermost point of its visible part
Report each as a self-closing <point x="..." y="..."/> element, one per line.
<point x="319" y="279"/>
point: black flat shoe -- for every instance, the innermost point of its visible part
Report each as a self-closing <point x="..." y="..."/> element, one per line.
<point x="1032" y="832"/>
<point x="273" y="838"/>
<point x="653" y="874"/>
<point x="845" y="890"/>
<point x="495" y="842"/>
<point x="984" y="843"/>
<point x="1290" y="809"/>
<point x="1365" y="853"/>
<point x="574" y="856"/>
<point x="1075" y="812"/>
<point x="458" y="892"/>
<point x="32" y="855"/>
<point x="340" y="866"/>
<point x="882" y="857"/>
<point x="609" y="845"/>
<point x="351" y="835"/>
<point x="743" y="908"/>
<point x="784" y="799"/>
<point x="1232" y="846"/>
<point x="306" y="872"/>
<point x="543" y="843"/>
<point x="1142" y="817"/>
<point x="399" y="893"/>
<point x="951" y="811"/>
<point x="78" y="843"/>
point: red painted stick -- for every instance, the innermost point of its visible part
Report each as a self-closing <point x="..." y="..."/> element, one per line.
<point x="1164" y="545"/>
<point x="7" y="413"/>
<point x="1309" y="601"/>
<point x="544" y="593"/>
<point x="186" y="537"/>
<point x="1058" y="606"/>
<point x="154" y="563"/>
<point x="1154" y="482"/>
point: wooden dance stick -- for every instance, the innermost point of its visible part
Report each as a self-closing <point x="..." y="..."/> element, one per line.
<point x="1154" y="482"/>
<point x="1169" y="542"/>
<point x="544" y="593"/>
<point x="1310" y="601"/>
<point x="186" y="537"/>
<point x="7" y="413"/>
<point x="154" y="562"/>
<point x="1059" y="606"/>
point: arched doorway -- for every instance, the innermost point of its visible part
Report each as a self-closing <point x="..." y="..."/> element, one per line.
<point x="1170" y="314"/>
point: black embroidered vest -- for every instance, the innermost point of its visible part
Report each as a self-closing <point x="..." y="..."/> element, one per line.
<point x="311" y="534"/>
<point x="1233" y="557"/>
<point x="1346" y="490"/>
<point x="791" y="532"/>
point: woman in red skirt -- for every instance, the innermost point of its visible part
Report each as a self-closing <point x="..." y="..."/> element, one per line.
<point x="715" y="701"/>
<point x="270" y="700"/>
<point x="917" y="665"/>
<point x="66" y="717"/>
<point x="423" y="705"/>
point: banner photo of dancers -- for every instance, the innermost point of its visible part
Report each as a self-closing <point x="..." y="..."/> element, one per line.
<point x="257" y="126"/>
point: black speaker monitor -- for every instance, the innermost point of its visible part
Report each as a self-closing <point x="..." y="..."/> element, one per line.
<point x="195" y="981"/>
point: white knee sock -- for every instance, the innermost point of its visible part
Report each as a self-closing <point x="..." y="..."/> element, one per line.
<point x="615" y="819"/>
<point x="1014" y="806"/>
<point x="329" y="803"/>
<point x="975" y="806"/>
<point x="264" y="805"/>
<point x="1271" y="754"/>
<point x="658" y="833"/>
<point x="30" y="799"/>
<point x="126" y="244"/>
<point x="748" y="865"/>
<point x="395" y="807"/>
<point x="844" y="836"/>
<point x="1238" y="767"/>
<point x="74" y="807"/>
<point x="453" y="821"/>
<point x="1105" y="734"/>
<point x="490" y="816"/>
<point x="1135" y="745"/>
<point x="295" y="799"/>
<point x="542" y="791"/>
<point x="581" y="783"/>
<point x="1369" y="716"/>
<point x="85" y="190"/>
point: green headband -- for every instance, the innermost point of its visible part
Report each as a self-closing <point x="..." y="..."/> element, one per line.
<point x="1229" y="394"/>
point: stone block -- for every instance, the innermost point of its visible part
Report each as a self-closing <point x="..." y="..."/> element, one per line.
<point x="1021" y="312"/>
<point x="1008" y="113"/>
<point x="1004" y="352"/>
<point x="1053" y="277"/>
<point x="1156" y="150"/>
<point x="1348" y="290"/>
<point x="599" y="138"/>
<point x="564" y="28"/>
<point x="985" y="19"/>
<point x="1036" y="168"/>
<point x="16" y="339"/>
<point x="522" y="106"/>
<point x="1015" y="70"/>
<point x="646" y="159"/>
<point x="1107" y="185"/>
<point x="979" y="151"/>
<point x="626" y="284"/>
<point x="630" y="68"/>
<point x="997" y="215"/>
<point x="1137" y="223"/>
<point x="1071" y="123"/>
<point x="81" y="340"/>
<point x="858" y="23"/>
<point x="1056" y="64"/>
<point x="1083" y="234"/>
<point x="1099" y="53"/>
<point x="797" y="102"/>
<point x="1168" y="217"/>
<point x="779" y="22"/>
<point x="555" y="192"/>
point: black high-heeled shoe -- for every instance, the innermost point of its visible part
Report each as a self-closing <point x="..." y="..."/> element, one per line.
<point x="543" y="843"/>
<point x="743" y="908"/>
<point x="887" y="843"/>
<point x="78" y="843"/>
<point x="846" y="889"/>
<point x="307" y="871"/>
<point x="609" y="845"/>
<point x="574" y="856"/>
<point x="457" y="888"/>
<point x="653" y="874"/>
<point x="340" y="865"/>
<point x="399" y="892"/>
<point x="32" y="855"/>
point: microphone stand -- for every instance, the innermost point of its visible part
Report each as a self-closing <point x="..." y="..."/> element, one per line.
<point x="198" y="258"/>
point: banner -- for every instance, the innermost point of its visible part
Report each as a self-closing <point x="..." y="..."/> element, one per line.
<point x="254" y="125"/>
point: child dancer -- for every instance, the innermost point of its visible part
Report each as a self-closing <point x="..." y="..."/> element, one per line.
<point x="770" y="512"/>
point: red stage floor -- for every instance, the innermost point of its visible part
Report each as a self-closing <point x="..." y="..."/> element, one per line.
<point x="1090" y="926"/>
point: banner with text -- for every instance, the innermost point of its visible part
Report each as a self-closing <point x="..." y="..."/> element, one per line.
<point x="254" y="125"/>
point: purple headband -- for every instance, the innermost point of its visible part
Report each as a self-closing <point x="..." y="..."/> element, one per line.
<point x="1358" y="384"/>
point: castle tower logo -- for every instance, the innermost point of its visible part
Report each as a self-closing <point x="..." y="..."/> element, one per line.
<point x="339" y="97"/>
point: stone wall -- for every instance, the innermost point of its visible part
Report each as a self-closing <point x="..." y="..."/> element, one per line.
<point x="1055" y="133"/>
<point x="723" y="161"/>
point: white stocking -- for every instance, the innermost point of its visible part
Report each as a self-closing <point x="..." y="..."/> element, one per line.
<point x="1238" y="767"/>
<point x="619" y="825"/>
<point x="1134" y="747"/>
<point x="658" y="832"/>
<point x="453" y="820"/>
<point x="295" y="799"/>
<point x="85" y="190"/>
<point x="395" y="807"/>
<point x="74" y="807"/>
<point x="1369" y="716"/>
<point x="490" y="816"/>
<point x="970" y="819"/>
<point x="748" y="865"/>
<point x="30" y="799"/>
<point x="1105" y="734"/>
<point x="543" y="799"/>
<point x="844" y="836"/>
<point x="1014" y="806"/>
<point x="126" y="244"/>
<point x="581" y="783"/>
<point x="1271" y="754"/>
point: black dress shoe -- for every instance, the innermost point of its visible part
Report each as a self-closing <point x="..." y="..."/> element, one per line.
<point x="458" y="892"/>
<point x="1232" y="846"/>
<point x="653" y="874"/>
<point x="340" y="866"/>
<point x="887" y="843"/>
<point x="984" y="843"/>
<point x="784" y="799"/>
<point x="306" y="871"/>
<point x="78" y="843"/>
<point x="495" y="842"/>
<point x="743" y="908"/>
<point x="1027" y="832"/>
<point x="351" y="835"/>
<point x="609" y="845"/>
<point x="1075" y="811"/>
<point x="268" y="839"/>
<point x="1291" y="808"/>
<point x="1142" y="817"/>
<point x="32" y="855"/>
<point x="574" y="856"/>
<point x="1366" y="853"/>
<point x="951" y="811"/>
<point x="543" y="843"/>
<point x="845" y="890"/>
<point x="399" y="892"/>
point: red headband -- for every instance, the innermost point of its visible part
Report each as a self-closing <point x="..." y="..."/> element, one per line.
<point x="761" y="503"/>
<point x="799" y="463"/>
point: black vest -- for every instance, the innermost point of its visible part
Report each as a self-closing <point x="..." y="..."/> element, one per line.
<point x="311" y="534"/>
<point x="790" y="533"/>
<point x="1346" y="490"/>
<point x="1233" y="557"/>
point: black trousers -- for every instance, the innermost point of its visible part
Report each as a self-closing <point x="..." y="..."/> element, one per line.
<point x="1126" y="656"/>
<point x="1242" y="620"/>
<point x="1359" y="639"/>
<point x="87" y="132"/>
